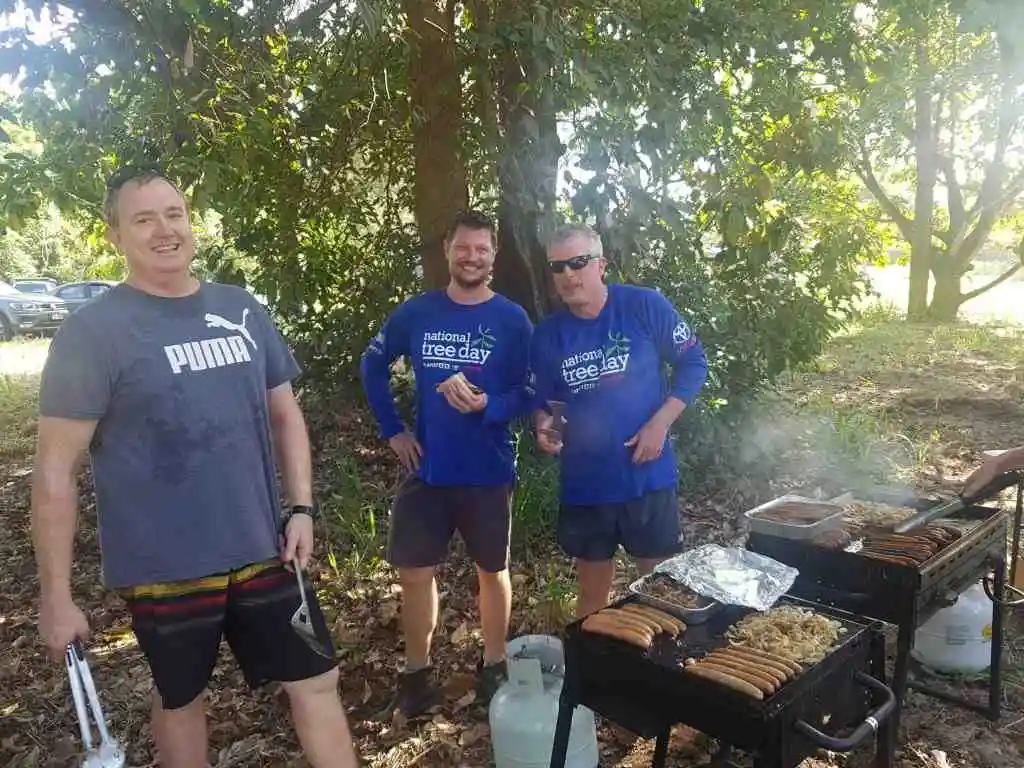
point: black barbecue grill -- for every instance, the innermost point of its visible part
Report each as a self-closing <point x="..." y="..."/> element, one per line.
<point x="647" y="692"/>
<point x="905" y="595"/>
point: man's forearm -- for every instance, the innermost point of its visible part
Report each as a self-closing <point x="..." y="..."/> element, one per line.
<point x="669" y="411"/>
<point x="1011" y="459"/>
<point x="292" y="442"/>
<point x="54" y="521"/>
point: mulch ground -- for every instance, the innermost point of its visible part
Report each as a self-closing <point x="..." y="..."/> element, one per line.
<point x="37" y="725"/>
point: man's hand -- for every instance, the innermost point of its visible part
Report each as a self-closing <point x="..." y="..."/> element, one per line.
<point x="60" y="622"/>
<point x="982" y="476"/>
<point x="648" y="442"/>
<point x="460" y="397"/>
<point x="407" y="448"/>
<point x="298" y="540"/>
<point x="548" y="439"/>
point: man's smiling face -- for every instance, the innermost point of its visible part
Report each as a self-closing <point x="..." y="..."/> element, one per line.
<point x="470" y="256"/>
<point x="153" y="228"/>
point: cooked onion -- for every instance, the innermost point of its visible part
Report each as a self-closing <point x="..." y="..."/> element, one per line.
<point x="790" y="631"/>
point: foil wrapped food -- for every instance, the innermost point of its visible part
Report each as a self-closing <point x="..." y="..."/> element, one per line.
<point x="731" y="575"/>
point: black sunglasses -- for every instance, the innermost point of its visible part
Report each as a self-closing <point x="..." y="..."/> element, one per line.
<point x="576" y="263"/>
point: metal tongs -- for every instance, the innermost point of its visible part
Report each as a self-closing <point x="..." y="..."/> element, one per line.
<point x="109" y="754"/>
<point x="301" y="621"/>
<point x="958" y="503"/>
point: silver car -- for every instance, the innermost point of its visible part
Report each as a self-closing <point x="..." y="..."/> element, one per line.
<point x="82" y="292"/>
<point x="24" y="313"/>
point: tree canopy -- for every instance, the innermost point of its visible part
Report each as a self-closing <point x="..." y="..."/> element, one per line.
<point x="722" y="151"/>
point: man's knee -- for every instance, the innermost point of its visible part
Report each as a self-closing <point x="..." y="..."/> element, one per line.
<point x="488" y="578"/>
<point x="179" y="710"/>
<point x="312" y="688"/>
<point x="415" y="576"/>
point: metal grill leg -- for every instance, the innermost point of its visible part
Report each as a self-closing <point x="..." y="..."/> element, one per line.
<point x="995" y="679"/>
<point x="661" y="748"/>
<point x="1018" y="518"/>
<point x="563" y="727"/>
<point x="885" y="739"/>
<point x="901" y="669"/>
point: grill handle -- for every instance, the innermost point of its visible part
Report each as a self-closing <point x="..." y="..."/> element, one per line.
<point x="866" y="729"/>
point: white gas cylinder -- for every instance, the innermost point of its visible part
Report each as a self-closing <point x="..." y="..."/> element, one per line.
<point x="524" y="711"/>
<point x="958" y="638"/>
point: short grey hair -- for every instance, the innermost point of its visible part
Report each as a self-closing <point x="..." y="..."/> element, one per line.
<point x="130" y="175"/>
<point x="569" y="231"/>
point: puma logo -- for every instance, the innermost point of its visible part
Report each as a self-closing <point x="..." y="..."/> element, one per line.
<point x="216" y="321"/>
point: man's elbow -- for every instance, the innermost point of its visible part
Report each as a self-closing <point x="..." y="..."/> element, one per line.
<point x="52" y="484"/>
<point x="287" y="419"/>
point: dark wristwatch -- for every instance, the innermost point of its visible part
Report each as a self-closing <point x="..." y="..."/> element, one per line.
<point x="299" y="509"/>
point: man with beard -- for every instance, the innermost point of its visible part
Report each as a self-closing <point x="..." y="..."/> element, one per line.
<point x="469" y="350"/>
<point x="604" y="355"/>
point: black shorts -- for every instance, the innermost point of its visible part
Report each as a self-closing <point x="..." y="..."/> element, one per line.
<point x="425" y="517"/>
<point x="179" y="626"/>
<point x="647" y="527"/>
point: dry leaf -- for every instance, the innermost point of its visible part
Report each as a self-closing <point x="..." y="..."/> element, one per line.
<point x="388" y="611"/>
<point x="458" y="685"/>
<point x="460" y="635"/>
<point x="473" y="735"/>
<point x="465" y="701"/>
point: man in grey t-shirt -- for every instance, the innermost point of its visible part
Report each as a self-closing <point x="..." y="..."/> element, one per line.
<point x="180" y="391"/>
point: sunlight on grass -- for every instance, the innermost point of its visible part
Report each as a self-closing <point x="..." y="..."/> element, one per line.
<point x="18" y="399"/>
<point x="905" y="395"/>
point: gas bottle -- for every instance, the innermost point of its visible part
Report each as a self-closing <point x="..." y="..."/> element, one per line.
<point x="958" y="638"/>
<point x="524" y="711"/>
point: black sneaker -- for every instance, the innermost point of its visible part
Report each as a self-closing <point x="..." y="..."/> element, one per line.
<point x="489" y="679"/>
<point x="416" y="694"/>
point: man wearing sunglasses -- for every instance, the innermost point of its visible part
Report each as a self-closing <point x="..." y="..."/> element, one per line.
<point x="469" y="353"/>
<point x="180" y="392"/>
<point x="603" y="356"/>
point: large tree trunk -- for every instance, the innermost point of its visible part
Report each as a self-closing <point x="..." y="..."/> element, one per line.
<point x="924" y="195"/>
<point x="528" y="163"/>
<point x="946" y="295"/>
<point x="440" y="187"/>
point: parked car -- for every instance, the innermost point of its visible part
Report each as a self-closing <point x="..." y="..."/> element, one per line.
<point x="34" y="284"/>
<point x="23" y="313"/>
<point x="77" y="294"/>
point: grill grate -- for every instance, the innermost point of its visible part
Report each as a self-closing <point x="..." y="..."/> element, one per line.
<point x="647" y="692"/>
<point x="904" y="595"/>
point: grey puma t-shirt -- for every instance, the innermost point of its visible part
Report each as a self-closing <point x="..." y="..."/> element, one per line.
<point x="182" y="456"/>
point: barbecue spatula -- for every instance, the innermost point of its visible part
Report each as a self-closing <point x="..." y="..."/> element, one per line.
<point x="109" y="754"/>
<point x="301" y="622"/>
<point x="957" y="503"/>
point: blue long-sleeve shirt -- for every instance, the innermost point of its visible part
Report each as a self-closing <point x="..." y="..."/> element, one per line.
<point x="489" y="343"/>
<point x="610" y="372"/>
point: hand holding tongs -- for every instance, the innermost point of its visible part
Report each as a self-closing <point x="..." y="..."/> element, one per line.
<point x="958" y="503"/>
<point x="109" y="754"/>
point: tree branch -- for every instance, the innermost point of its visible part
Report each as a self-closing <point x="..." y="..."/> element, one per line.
<point x="305" y="20"/>
<point x="992" y="284"/>
<point x="964" y="251"/>
<point x="995" y="171"/>
<point x="867" y="175"/>
<point x="957" y="212"/>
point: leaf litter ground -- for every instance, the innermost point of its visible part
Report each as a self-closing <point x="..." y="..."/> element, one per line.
<point x="247" y="728"/>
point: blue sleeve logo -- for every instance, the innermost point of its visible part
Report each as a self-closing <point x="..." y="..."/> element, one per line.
<point x="377" y="345"/>
<point x="681" y="334"/>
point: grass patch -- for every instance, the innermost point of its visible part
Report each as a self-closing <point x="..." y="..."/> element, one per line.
<point x="356" y="512"/>
<point x="19" y="398"/>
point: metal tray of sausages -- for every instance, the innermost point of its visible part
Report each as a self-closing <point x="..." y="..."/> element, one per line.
<point x="686" y="615"/>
